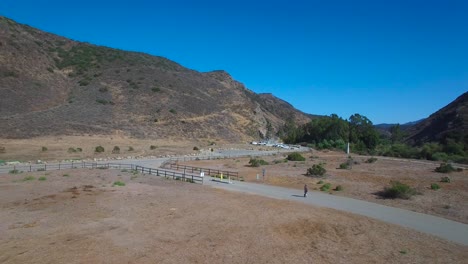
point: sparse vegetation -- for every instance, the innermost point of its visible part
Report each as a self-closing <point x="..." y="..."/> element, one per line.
<point x="43" y="149"/>
<point x="99" y="149"/>
<point x="156" y="89"/>
<point x="131" y="148"/>
<point x="118" y="183"/>
<point x="435" y="186"/>
<point x="116" y="150"/>
<point x="42" y="178"/>
<point x="316" y="170"/>
<point x="14" y="171"/>
<point x="196" y="148"/>
<point x="103" y="102"/>
<point x="326" y="187"/>
<point x="398" y="190"/>
<point x="295" y="156"/>
<point x="254" y="162"/>
<point x="153" y="147"/>
<point x="79" y="149"/>
<point x="29" y="178"/>
<point x="371" y="160"/>
<point x="280" y="161"/>
<point x="66" y="175"/>
<point x="71" y="150"/>
<point x="339" y="188"/>
<point x="103" y="89"/>
<point x="2" y="149"/>
<point x="445" y="179"/>
<point x="320" y="182"/>
<point x="173" y="111"/>
<point x="445" y="168"/>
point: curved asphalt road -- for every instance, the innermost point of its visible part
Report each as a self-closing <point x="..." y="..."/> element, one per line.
<point x="437" y="226"/>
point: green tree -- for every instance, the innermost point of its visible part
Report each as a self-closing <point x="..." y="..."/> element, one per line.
<point x="397" y="134"/>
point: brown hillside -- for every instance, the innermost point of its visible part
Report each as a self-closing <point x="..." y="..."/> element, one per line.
<point x="50" y="85"/>
<point x="449" y="122"/>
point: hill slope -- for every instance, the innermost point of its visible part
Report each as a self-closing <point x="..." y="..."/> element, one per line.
<point x="450" y="122"/>
<point x="50" y="85"/>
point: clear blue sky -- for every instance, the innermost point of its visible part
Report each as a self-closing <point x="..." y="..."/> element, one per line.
<point x="392" y="61"/>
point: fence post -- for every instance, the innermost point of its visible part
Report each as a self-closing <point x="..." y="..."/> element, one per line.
<point x="30" y="168"/>
<point x="150" y="171"/>
<point x="45" y="167"/>
<point x="59" y="165"/>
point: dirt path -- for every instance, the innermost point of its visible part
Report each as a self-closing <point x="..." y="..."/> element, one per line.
<point x="437" y="226"/>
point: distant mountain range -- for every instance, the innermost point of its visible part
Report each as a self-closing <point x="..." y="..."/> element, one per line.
<point x="50" y="85"/>
<point x="385" y="126"/>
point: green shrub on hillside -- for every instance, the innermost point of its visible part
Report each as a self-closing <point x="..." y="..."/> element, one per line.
<point x="398" y="190"/>
<point x="295" y="156"/>
<point x="316" y="170"/>
<point x="445" y="168"/>
<point x="99" y="149"/>
<point x="116" y="150"/>
<point x="254" y="162"/>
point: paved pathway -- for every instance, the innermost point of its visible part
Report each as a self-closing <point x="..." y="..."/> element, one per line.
<point x="437" y="226"/>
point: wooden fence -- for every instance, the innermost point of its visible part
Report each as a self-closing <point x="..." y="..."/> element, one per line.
<point x="208" y="171"/>
<point x="75" y="165"/>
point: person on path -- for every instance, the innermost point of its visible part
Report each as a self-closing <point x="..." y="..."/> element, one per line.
<point x="305" y="190"/>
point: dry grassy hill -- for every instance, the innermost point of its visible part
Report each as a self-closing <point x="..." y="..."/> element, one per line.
<point x="450" y="122"/>
<point x="50" y="85"/>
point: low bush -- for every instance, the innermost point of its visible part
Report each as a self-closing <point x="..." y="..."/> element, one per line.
<point x="295" y="156"/>
<point x="398" y="190"/>
<point x="196" y="148"/>
<point x="131" y="148"/>
<point x="338" y="188"/>
<point x="99" y="149"/>
<point x="15" y="171"/>
<point x="29" y="178"/>
<point x="445" y="179"/>
<point x="445" y="168"/>
<point x="118" y="183"/>
<point x="71" y="150"/>
<point x="371" y="160"/>
<point x="320" y="182"/>
<point x="326" y="187"/>
<point x="344" y="166"/>
<point x="79" y="149"/>
<point x="2" y="149"/>
<point x="257" y="162"/>
<point x="280" y="161"/>
<point x="116" y="150"/>
<point x="42" y="178"/>
<point x="66" y="175"/>
<point x="44" y="149"/>
<point x="316" y="170"/>
<point x="435" y="186"/>
<point x="153" y="147"/>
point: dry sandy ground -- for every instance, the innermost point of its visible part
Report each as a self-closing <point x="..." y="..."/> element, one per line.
<point x="364" y="180"/>
<point x="57" y="147"/>
<point x="82" y="218"/>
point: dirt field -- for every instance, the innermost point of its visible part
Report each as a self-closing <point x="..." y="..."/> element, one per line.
<point x="58" y="147"/>
<point x="77" y="216"/>
<point x="364" y="180"/>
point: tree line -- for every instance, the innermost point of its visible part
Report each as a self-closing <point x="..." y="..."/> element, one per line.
<point x="334" y="132"/>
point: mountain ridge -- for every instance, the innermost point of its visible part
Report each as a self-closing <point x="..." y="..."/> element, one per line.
<point x="51" y="85"/>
